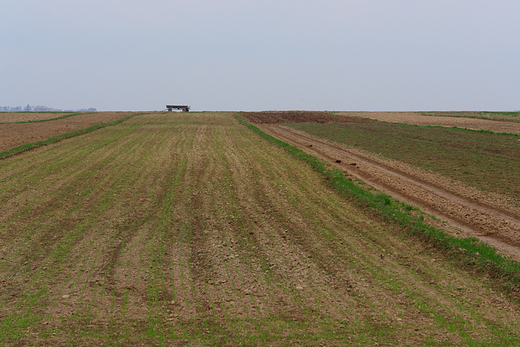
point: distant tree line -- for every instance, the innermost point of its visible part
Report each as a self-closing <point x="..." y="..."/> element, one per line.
<point x="41" y="108"/>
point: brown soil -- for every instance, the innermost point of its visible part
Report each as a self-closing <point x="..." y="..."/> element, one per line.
<point x="490" y="217"/>
<point x="14" y="135"/>
<point x="420" y="119"/>
<point x="13" y="117"/>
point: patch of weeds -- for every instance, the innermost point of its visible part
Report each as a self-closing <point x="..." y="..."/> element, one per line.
<point x="12" y="327"/>
<point x="408" y="207"/>
<point x="383" y="199"/>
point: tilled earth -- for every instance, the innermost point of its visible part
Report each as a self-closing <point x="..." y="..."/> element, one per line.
<point x="15" y="117"/>
<point x="14" y="135"/>
<point x="190" y="230"/>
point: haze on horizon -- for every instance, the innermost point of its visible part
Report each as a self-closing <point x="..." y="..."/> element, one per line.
<point x="392" y="55"/>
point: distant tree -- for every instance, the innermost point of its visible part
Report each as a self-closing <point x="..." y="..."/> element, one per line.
<point x="28" y="108"/>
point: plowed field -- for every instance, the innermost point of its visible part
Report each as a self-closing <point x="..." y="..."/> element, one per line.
<point x="14" y="135"/>
<point x="190" y="230"/>
<point x="15" y="117"/>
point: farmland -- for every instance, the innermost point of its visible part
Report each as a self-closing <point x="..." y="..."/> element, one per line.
<point x="18" y="129"/>
<point x="191" y="229"/>
<point x="469" y="179"/>
<point x="498" y="122"/>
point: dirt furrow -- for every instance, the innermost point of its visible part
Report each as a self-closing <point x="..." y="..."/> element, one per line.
<point x="494" y="224"/>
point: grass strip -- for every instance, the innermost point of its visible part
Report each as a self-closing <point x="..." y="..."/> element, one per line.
<point x="482" y="115"/>
<point x="480" y="131"/>
<point x="516" y="113"/>
<point x="33" y="145"/>
<point x="471" y="252"/>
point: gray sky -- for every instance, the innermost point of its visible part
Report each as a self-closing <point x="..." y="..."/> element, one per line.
<point x="261" y="55"/>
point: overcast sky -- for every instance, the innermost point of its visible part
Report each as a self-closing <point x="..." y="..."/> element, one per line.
<point x="261" y="55"/>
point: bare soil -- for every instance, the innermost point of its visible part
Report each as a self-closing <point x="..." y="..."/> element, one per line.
<point x="14" y="117"/>
<point x="491" y="217"/>
<point x="14" y="135"/>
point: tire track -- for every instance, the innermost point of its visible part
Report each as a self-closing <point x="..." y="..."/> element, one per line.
<point x="492" y="224"/>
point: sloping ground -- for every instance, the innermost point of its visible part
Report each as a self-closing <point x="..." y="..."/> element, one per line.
<point x="14" y="135"/>
<point x="190" y="230"/>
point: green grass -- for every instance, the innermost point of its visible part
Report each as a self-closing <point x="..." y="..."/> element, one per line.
<point x="516" y="113"/>
<point x="487" y="115"/>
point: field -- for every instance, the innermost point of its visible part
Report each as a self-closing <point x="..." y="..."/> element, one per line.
<point x="25" y="117"/>
<point x="469" y="179"/>
<point x="190" y="229"/>
<point x="18" y="129"/>
<point x="498" y="122"/>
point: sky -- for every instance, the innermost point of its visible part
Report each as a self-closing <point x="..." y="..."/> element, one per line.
<point x="366" y="55"/>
